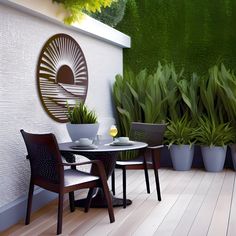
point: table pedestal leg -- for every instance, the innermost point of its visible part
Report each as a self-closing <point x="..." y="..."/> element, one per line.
<point x="109" y="161"/>
<point x="99" y="201"/>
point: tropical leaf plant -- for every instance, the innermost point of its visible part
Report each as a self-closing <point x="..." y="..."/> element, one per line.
<point x="181" y="131"/>
<point x="141" y="97"/>
<point x="211" y="95"/>
<point x="227" y="92"/>
<point x="189" y="91"/>
<point x="211" y="133"/>
<point x="169" y="89"/>
<point x="80" y="114"/>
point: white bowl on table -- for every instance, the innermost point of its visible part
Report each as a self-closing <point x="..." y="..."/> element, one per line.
<point x="84" y="142"/>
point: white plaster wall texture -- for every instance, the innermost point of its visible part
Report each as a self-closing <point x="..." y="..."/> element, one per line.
<point x="21" y="39"/>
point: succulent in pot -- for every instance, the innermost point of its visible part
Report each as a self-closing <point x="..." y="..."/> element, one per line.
<point x="180" y="136"/>
<point x="83" y="123"/>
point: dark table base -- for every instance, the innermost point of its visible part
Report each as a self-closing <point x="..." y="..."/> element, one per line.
<point x="99" y="201"/>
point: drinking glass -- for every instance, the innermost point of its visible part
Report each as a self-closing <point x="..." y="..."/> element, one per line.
<point x="113" y="131"/>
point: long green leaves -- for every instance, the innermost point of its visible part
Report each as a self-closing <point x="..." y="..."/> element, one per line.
<point x="169" y="95"/>
<point x="146" y="97"/>
<point x="211" y="133"/>
<point x="80" y="114"/>
<point x="181" y="131"/>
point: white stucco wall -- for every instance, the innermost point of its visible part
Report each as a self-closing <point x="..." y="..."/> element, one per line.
<point x="22" y="36"/>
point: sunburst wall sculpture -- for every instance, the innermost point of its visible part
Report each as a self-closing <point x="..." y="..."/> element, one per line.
<point x="62" y="76"/>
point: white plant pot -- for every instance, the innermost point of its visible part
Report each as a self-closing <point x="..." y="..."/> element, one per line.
<point x="214" y="158"/>
<point x="233" y="154"/>
<point x="182" y="156"/>
<point x="77" y="131"/>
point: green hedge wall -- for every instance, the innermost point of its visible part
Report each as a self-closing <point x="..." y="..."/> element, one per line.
<point x="194" y="34"/>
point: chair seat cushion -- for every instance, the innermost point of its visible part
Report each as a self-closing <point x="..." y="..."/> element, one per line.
<point x="73" y="177"/>
<point x="136" y="161"/>
<point x="129" y="162"/>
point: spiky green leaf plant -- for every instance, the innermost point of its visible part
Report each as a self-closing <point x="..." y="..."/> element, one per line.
<point x="211" y="96"/>
<point x="189" y="90"/>
<point x="80" y="114"/>
<point x="168" y="80"/>
<point x="227" y="92"/>
<point x="181" y="131"/>
<point x="149" y="98"/>
<point x="211" y="133"/>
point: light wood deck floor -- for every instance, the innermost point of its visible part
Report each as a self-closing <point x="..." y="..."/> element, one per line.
<point x="193" y="203"/>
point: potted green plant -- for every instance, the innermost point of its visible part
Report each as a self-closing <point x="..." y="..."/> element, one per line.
<point x="214" y="138"/>
<point x="227" y="91"/>
<point x="180" y="136"/>
<point x="83" y="123"/>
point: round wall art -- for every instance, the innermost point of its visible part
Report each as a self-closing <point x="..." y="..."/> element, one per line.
<point x="62" y="76"/>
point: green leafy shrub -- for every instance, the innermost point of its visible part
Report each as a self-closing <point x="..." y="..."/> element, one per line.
<point x="181" y="131"/>
<point x="111" y="15"/>
<point x="80" y="114"/>
<point x="170" y="95"/>
<point x="210" y="133"/>
<point x="76" y="7"/>
<point x="148" y="98"/>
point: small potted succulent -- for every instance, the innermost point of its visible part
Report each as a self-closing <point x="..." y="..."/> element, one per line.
<point x="214" y="138"/>
<point x="180" y="136"/>
<point x="83" y="123"/>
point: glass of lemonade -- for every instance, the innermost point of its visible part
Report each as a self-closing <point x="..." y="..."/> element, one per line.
<point x="113" y="131"/>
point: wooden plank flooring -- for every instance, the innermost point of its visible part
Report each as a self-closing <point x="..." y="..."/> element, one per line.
<point x="194" y="203"/>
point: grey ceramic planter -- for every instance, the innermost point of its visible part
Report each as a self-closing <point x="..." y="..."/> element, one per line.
<point x="214" y="158"/>
<point x="182" y="157"/>
<point x="77" y="131"/>
<point x="233" y="154"/>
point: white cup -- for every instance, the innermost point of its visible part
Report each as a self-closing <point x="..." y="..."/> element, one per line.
<point x="123" y="139"/>
<point x="85" y="141"/>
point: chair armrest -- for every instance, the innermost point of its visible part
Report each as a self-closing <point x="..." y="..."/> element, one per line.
<point x="98" y="163"/>
<point x="155" y="147"/>
<point x="77" y="163"/>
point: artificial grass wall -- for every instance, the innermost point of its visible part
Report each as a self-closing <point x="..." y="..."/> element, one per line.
<point x="194" y="34"/>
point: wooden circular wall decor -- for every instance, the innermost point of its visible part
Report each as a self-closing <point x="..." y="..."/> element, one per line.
<point x="62" y="75"/>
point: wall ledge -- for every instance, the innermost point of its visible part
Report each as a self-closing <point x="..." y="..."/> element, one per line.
<point x="53" y="12"/>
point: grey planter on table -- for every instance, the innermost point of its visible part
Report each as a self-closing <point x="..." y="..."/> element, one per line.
<point x="182" y="157"/>
<point x="214" y="158"/>
<point x="77" y="131"/>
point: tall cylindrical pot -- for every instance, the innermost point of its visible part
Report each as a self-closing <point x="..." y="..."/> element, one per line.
<point x="182" y="156"/>
<point x="214" y="158"/>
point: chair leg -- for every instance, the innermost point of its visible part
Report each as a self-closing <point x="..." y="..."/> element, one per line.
<point x="113" y="182"/>
<point x="29" y="204"/>
<point x="60" y="213"/>
<point x="146" y="176"/>
<point x="124" y="187"/>
<point x="88" y="200"/>
<point x="72" y="201"/>
<point x="155" y="167"/>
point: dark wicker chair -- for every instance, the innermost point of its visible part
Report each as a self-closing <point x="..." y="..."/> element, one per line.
<point x="152" y="134"/>
<point x="47" y="171"/>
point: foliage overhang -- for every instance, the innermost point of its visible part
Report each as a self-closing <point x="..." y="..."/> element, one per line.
<point x="75" y="8"/>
